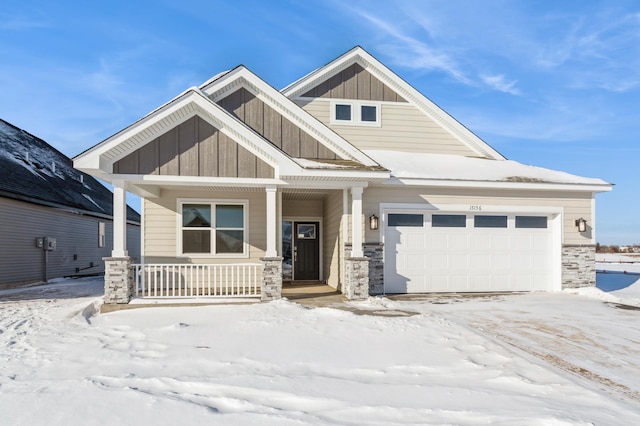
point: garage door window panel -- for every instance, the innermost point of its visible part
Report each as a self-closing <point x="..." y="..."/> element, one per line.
<point x="485" y="221"/>
<point x="531" y="222"/>
<point x="449" y="221"/>
<point x="404" y="219"/>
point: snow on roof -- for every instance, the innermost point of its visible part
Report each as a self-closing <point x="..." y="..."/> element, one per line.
<point x="412" y="165"/>
<point x="34" y="171"/>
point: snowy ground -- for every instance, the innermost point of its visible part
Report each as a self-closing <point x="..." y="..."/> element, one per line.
<point x="545" y="359"/>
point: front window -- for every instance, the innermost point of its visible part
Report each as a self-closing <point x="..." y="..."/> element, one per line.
<point x="369" y="113"/>
<point x="213" y="228"/>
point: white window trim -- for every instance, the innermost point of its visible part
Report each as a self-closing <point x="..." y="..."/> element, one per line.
<point x="213" y="203"/>
<point x="356" y="113"/>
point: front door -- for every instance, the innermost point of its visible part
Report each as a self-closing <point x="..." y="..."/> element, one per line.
<point x="306" y="251"/>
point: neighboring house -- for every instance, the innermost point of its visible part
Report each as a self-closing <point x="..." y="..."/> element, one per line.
<point x="46" y="204"/>
<point x="348" y="176"/>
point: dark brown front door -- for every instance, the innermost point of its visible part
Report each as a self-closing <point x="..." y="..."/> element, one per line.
<point x="306" y="251"/>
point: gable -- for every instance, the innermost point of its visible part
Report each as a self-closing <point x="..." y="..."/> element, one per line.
<point x="275" y="128"/>
<point x="322" y="82"/>
<point x="194" y="148"/>
<point x="355" y="83"/>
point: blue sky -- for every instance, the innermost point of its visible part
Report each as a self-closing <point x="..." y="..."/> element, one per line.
<point x="550" y="83"/>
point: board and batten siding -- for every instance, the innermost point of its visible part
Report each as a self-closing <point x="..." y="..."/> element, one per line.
<point x="574" y="204"/>
<point x="194" y="148"/>
<point x="403" y="128"/>
<point x="275" y="128"/>
<point x="354" y="82"/>
<point x="160" y="226"/>
<point x="333" y="252"/>
<point x="77" y="242"/>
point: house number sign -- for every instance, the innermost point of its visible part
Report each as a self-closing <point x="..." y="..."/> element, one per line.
<point x="475" y="208"/>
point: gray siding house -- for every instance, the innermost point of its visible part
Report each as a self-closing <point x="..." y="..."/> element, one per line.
<point x="55" y="221"/>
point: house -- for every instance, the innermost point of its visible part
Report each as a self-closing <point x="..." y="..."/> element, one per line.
<point x="54" y="220"/>
<point x="348" y="176"/>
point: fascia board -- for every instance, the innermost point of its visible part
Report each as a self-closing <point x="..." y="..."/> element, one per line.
<point x="412" y="95"/>
<point x="193" y="180"/>
<point x="530" y="186"/>
<point x="285" y="106"/>
<point x="311" y="173"/>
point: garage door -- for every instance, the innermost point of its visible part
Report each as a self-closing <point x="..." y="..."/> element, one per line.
<point x="441" y="252"/>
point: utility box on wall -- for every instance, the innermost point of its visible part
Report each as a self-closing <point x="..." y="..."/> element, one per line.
<point x="49" y="243"/>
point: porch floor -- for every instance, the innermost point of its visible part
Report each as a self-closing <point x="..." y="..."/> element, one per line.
<point x="313" y="294"/>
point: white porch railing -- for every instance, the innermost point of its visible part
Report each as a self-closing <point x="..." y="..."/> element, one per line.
<point x="189" y="280"/>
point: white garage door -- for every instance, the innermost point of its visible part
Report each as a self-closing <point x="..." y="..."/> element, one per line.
<point x="452" y="252"/>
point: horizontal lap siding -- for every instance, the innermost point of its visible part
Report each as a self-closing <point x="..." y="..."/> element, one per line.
<point x="160" y="232"/>
<point x="332" y="251"/>
<point x="76" y="236"/>
<point x="575" y="205"/>
<point x="404" y="128"/>
<point x="302" y="208"/>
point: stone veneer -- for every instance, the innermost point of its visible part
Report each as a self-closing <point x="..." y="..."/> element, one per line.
<point x="118" y="280"/>
<point x="578" y="265"/>
<point x="374" y="251"/>
<point x="356" y="277"/>
<point x="271" y="288"/>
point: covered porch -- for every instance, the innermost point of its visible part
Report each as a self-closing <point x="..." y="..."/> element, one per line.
<point x="292" y="234"/>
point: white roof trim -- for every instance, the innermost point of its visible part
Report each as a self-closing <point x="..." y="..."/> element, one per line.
<point x="384" y="74"/>
<point x="445" y="183"/>
<point x="243" y="77"/>
<point x="190" y="103"/>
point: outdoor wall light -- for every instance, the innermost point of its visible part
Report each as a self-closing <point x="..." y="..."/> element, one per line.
<point x="373" y="222"/>
<point x="581" y="224"/>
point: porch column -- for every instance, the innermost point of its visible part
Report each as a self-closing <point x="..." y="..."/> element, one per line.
<point x="119" y="220"/>
<point x="356" y="222"/>
<point x="118" y="276"/>
<point x="272" y="222"/>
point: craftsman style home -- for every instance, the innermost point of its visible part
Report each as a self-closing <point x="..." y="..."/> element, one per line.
<point x="348" y="176"/>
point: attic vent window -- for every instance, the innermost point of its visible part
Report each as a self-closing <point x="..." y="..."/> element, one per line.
<point x="355" y="113"/>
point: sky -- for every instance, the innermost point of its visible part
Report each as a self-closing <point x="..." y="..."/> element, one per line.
<point x="554" y="84"/>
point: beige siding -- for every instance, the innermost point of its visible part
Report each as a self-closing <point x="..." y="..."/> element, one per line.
<point x="302" y="208"/>
<point x="404" y="128"/>
<point x="354" y="82"/>
<point x="194" y="148"/>
<point x="574" y="205"/>
<point x="160" y="226"/>
<point x="271" y="125"/>
<point x="76" y="238"/>
<point x="332" y="248"/>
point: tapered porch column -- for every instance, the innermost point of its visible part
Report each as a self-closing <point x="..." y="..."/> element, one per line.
<point x="119" y="220"/>
<point x="356" y="221"/>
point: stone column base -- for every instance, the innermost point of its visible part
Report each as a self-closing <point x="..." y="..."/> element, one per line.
<point x="578" y="265"/>
<point x="271" y="288"/>
<point x="356" y="285"/>
<point x="118" y="280"/>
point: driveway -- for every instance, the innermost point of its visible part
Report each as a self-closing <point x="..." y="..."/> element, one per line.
<point x="594" y="341"/>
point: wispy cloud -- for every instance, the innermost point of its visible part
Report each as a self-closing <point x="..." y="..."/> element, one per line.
<point x="499" y="82"/>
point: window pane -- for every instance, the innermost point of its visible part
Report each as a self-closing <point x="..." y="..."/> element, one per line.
<point x="402" y="219"/>
<point x="196" y="241"/>
<point x="449" y="221"/>
<point x="343" y="112"/>
<point x="229" y="216"/>
<point x="287" y="259"/>
<point x="228" y="241"/>
<point x="368" y="113"/>
<point x="531" y="221"/>
<point x="490" y="221"/>
<point x="196" y="215"/>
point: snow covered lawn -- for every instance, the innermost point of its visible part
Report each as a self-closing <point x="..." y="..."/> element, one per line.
<point x="522" y="359"/>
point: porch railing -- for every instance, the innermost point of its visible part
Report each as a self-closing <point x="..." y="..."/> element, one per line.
<point x="190" y="280"/>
